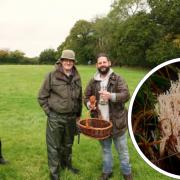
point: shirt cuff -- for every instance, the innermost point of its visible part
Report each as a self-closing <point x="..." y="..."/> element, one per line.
<point x="113" y="97"/>
<point x="88" y="104"/>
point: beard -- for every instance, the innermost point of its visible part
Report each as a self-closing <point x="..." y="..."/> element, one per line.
<point x="103" y="70"/>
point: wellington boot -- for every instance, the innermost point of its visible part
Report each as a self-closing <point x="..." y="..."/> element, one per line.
<point x="128" y="177"/>
<point x="73" y="170"/>
<point x="105" y="176"/>
<point x="3" y="161"/>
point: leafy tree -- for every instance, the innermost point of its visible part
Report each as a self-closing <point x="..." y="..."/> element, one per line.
<point x="134" y="37"/>
<point x="80" y="40"/>
<point x="4" y="56"/>
<point x="161" y="52"/>
<point x="48" y="56"/>
<point x="135" y="32"/>
<point x="102" y="31"/>
<point x="15" y="56"/>
<point x="123" y="9"/>
<point x="166" y="13"/>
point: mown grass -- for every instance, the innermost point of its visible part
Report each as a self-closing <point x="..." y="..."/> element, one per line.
<point x="22" y="129"/>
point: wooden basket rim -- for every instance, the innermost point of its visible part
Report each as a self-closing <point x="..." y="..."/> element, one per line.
<point x="90" y="127"/>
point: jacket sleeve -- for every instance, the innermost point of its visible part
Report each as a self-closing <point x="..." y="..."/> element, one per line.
<point x="122" y="91"/>
<point x="80" y="103"/>
<point x="87" y="93"/>
<point x="44" y="94"/>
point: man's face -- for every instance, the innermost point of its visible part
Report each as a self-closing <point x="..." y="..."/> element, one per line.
<point x="67" y="64"/>
<point x="103" y="65"/>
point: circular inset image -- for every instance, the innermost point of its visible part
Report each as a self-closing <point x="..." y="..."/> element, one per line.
<point x="154" y="118"/>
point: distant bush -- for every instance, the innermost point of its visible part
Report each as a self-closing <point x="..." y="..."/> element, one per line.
<point x="48" y="56"/>
<point x="15" y="57"/>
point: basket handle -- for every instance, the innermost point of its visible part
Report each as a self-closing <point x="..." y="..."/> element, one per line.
<point x="87" y="117"/>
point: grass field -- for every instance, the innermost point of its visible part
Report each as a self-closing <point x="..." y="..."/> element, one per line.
<point x="22" y="129"/>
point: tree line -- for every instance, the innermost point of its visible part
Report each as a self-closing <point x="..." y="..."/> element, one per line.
<point x="135" y="33"/>
<point x="15" y="57"/>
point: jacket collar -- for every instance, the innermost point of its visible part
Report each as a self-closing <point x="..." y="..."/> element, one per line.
<point x="98" y="78"/>
<point x="59" y="73"/>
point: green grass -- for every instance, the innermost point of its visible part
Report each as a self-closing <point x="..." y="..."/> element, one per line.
<point x="22" y="129"/>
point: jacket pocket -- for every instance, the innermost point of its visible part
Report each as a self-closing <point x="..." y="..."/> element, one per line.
<point x="58" y="104"/>
<point x="60" y="88"/>
<point x="120" y="119"/>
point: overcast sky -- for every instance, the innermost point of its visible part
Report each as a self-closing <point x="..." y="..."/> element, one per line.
<point x="34" y="25"/>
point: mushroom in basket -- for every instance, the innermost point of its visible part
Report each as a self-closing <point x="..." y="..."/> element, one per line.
<point x="95" y="126"/>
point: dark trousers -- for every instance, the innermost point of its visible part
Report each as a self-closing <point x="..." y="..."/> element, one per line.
<point x="60" y="133"/>
<point x="0" y="150"/>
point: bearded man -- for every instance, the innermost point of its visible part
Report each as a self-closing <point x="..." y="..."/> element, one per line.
<point x="111" y="93"/>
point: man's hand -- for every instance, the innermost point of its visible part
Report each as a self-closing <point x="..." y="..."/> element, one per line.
<point x="92" y="103"/>
<point x="105" y="95"/>
<point x="77" y="119"/>
<point x="92" y="107"/>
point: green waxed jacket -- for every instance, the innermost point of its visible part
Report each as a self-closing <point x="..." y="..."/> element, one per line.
<point x="61" y="93"/>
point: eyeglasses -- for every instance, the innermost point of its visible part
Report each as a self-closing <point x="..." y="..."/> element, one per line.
<point x="68" y="61"/>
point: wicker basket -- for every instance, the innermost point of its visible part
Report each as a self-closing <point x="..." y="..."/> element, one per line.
<point x="95" y="128"/>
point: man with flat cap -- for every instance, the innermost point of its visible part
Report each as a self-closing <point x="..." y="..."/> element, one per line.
<point x="60" y="96"/>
